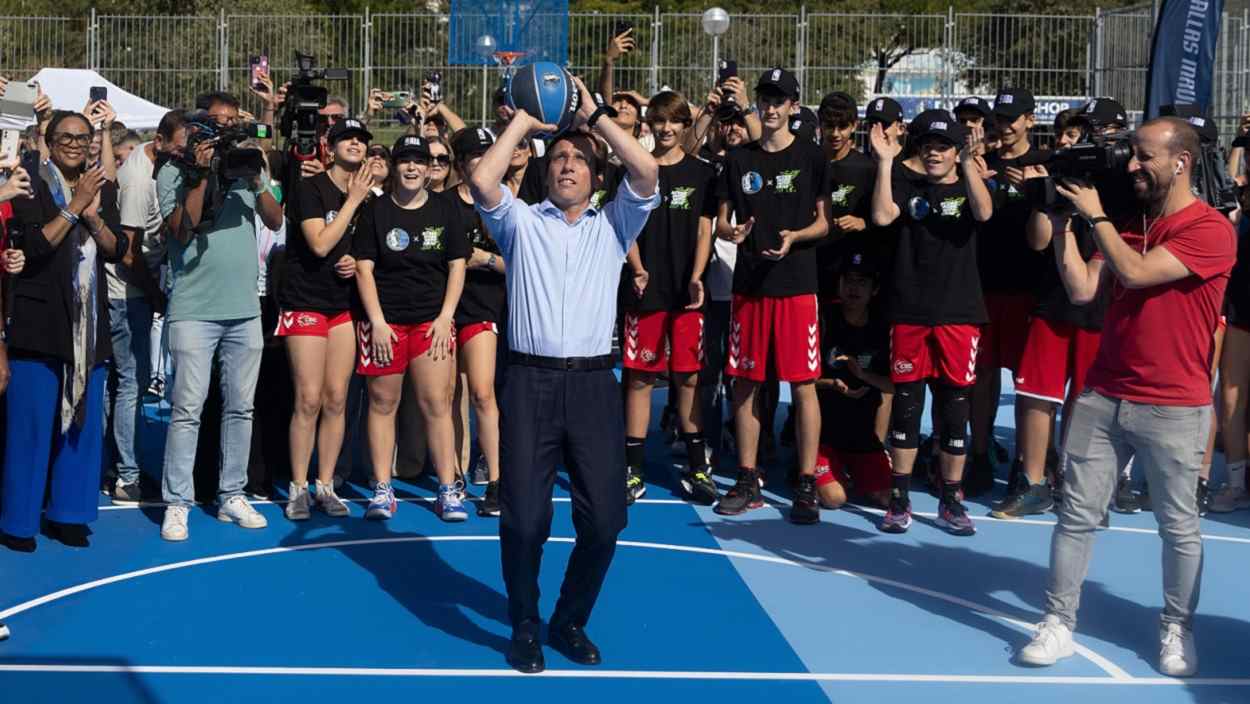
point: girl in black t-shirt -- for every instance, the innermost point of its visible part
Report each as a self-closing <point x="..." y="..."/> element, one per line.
<point x="482" y="308"/>
<point x="316" y="317"/>
<point x="410" y="253"/>
<point x="440" y="165"/>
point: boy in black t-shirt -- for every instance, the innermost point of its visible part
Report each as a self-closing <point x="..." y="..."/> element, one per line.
<point x="662" y="301"/>
<point x="855" y="349"/>
<point x="936" y="299"/>
<point x="851" y="176"/>
<point x="777" y="191"/>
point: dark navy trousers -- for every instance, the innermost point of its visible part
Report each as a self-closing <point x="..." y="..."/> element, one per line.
<point x="550" y="418"/>
<point x="35" y="445"/>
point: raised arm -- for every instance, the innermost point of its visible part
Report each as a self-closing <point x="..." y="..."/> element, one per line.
<point x="486" y="182"/>
<point x="970" y="164"/>
<point x="884" y="210"/>
<point x="644" y="173"/>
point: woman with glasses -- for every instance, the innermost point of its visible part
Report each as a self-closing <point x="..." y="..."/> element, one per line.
<point x="410" y="254"/>
<point x="58" y="340"/>
<point x="316" y="316"/>
<point x="440" y="165"/>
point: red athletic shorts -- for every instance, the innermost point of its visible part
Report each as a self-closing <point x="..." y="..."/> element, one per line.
<point x="663" y="341"/>
<point x="946" y="352"/>
<point x="464" y="333"/>
<point x="411" y="343"/>
<point x="1057" y="352"/>
<point x="1003" y="338"/>
<point x="782" y="330"/>
<point x="860" y="472"/>
<point x="304" y="322"/>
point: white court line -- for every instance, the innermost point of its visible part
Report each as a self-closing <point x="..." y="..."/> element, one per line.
<point x="624" y="674"/>
<point x="1101" y="662"/>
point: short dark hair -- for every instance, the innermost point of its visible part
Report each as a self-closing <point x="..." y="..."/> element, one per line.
<point x="838" y="114"/>
<point x="1063" y="118"/>
<point x="173" y="121"/>
<point x="206" y="101"/>
<point x="60" y="116"/>
<point x="574" y="137"/>
<point x="1184" y="137"/>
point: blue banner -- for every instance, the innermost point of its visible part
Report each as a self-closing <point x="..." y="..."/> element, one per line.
<point x="1182" y="58"/>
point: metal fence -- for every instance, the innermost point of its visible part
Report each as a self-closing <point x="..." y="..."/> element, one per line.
<point x="169" y="59"/>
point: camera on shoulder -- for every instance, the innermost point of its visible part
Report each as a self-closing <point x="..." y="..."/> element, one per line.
<point x="301" y="111"/>
<point x="229" y="160"/>
<point x="1094" y="159"/>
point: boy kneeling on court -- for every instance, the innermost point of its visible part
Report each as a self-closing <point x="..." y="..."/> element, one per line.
<point x="854" y="390"/>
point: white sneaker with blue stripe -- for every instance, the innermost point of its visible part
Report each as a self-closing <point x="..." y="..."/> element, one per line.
<point x="383" y="504"/>
<point x="450" y="505"/>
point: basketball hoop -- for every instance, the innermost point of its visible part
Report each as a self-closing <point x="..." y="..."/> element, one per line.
<point x="507" y="59"/>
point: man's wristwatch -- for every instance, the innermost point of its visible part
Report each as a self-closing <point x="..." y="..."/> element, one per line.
<point x="603" y="108"/>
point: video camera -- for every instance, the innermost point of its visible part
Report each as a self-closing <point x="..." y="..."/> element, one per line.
<point x="1091" y="160"/>
<point x="301" y="116"/>
<point x="229" y="161"/>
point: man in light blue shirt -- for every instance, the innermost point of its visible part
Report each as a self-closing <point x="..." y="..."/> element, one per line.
<point x="561" y="402"/>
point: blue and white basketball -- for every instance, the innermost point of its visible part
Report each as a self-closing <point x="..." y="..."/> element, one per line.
<point x="546" y="91"/>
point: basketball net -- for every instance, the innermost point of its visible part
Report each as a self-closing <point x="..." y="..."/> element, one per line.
<point x="506" y="61"/>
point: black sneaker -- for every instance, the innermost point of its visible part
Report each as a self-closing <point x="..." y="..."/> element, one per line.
<point x="953" y="518"/>
<point x="744" y="495"/>
<point x="489" y="504"/>
<point x="806" y="509"/>
<point x="1204" y="496"/>
<point x="126" y="494"/>
<point x="479" y="475"/>
<point x="1027" y="501"/>
<point x="698" y="485"/>
<point x="1125" y="498"/>
<point x="979" y="476"/>
<point x="635" y="487"/>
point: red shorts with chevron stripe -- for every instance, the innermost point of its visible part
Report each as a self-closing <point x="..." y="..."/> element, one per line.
<point x="662" y="341"/>
<point x="780" y="335"/>
<point x="293" y="323"/>
<point x="411" y="341"/>
<point x="945" y="352"/>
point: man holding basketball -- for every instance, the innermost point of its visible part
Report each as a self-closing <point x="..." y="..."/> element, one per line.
<point x="561" y="403"/>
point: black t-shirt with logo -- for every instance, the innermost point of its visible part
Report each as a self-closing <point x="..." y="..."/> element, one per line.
<point x="668" y="242"/>
<point x="779" y="190"/>
<point x="1007" y="263"/>
<point x="411" y="250"/>
<point x="310" y="283"/>
<point x="1052" y="297"/>
<point x="935" y="267"/>
<point x="485" y="290"/>
<point x="850" y="424"/>
<point x="851" y="180"/>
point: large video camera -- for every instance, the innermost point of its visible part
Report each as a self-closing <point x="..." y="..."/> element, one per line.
<point x="1097" y="157"/>
<point x="301" y="111"/>
<point x="229" y="160"/>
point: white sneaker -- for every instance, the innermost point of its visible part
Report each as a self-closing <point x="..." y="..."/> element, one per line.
<point x="329" y="501"/>
<point x="1230" y="498"/>
<point x="238" y="510"/>
<point x="297" y="503"/>
<point x="174" y="527"/>
<point x="1052" y="643"/>
<point x="1178" y="656"/>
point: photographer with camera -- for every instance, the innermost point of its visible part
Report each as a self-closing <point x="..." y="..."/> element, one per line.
<point x="726" y="107"/>
<point x="1148" y="393"/>
<point x="210" y="201"/>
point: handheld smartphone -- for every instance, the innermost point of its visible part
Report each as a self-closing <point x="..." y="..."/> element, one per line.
<point x="622" y="26"/>
<point x="728" y="69"/>
<point x="99" y="93"/>
<point x="258" y="67"/>
<point x="398" y="99"/>
<point x="435" y="79"/>
<point x="19" y="99"/>
<point x="10" y="144"/>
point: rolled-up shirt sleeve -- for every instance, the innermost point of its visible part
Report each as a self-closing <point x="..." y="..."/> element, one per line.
<point x="628" y="213"/>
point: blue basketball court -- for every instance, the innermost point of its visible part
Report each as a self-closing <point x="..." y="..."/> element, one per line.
<point x="696" y="605"/>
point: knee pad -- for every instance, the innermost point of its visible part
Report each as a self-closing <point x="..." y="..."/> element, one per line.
<point x="905" y="415"/>
<point x="955" y="409"/>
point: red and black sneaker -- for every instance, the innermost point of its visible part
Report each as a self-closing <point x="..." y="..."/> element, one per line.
<point x="744" y="496"/>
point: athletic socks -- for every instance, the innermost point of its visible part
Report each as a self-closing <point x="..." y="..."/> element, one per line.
<point x="950" y="492"/>
<point x="1237" y="474"/>
<point x="901" y="483"/>
<point x="635" y="453"/>
<point x="695" y="450"/>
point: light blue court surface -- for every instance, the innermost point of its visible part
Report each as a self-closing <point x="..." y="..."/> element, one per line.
<point x="696" y="608"/>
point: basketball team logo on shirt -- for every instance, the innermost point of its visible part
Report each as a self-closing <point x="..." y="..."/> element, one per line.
<point x="432" y="238"/>
<point x="398" y="239"/>
<point x="752" y="183"/>
<point x="330" y="215"/>
<point x="918" y="208"/>
<point x="842" y="195"/>
<point x="679" y="199"/>
<point x="952" y="207"/>
<point x="784" y="183"/>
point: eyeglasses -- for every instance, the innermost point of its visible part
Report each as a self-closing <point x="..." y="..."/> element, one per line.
<point x="440" y="159"/>
<point x="65" y="139"/>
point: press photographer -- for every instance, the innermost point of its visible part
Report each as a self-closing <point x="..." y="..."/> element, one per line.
<point x="209" y="198"/>
<point x="1148" y="393"/>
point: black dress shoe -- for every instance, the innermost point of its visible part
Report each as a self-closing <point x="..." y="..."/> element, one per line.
<point x="73" y="535"/>
<point x="17" y="544"/>
<point x="571" y="641"/>
<point x="525" y="654"/>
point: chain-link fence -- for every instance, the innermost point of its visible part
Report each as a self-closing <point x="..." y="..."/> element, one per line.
<point x="169" y="59"/>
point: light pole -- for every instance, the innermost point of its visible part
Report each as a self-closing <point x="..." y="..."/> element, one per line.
<point x="485" y="47"/>
<point x="715" y="23"/>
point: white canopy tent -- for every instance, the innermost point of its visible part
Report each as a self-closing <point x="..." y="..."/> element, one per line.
<point x="69" y="88"/>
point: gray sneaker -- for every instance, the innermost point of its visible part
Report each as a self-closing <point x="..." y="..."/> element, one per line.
<point x="297" y="503"/>
<point x="479" y="475"/>
<point x="1030" y="500"/>
<point x="126" y="494"/>
<point x="1229" y="499"/>
<point x="329" y="501"/>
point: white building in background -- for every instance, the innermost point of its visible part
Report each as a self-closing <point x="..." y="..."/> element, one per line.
<point x="923" y="72"/>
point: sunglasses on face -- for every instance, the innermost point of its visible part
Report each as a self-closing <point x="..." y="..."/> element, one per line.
<point x="375" y="154"/>
<point x="65" y="139"/>
<point x="440" y="159"/>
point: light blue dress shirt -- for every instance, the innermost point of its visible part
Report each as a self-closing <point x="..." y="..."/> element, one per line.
<point x="562" y="278"/>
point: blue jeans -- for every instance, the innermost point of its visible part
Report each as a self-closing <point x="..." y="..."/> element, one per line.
<point x="193" y="343"/>
<point x="130" y="324"/>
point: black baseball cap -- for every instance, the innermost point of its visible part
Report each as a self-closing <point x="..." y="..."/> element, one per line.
<point x="885" y="110"/>
<point x="859" y="262"/>
<point x="938" y="123"/>
<point x="1101" y="112"/>
<point x="351" y="127"/>
<point x="470" y="141"/>
<point x="1207" y="130"/>
<point x="779" y="80"/>
<point x="978" y="104"/>
<point x="840" y="101"/>
<point x="804" y="124"/>
<point x="1014" y="102"/>
<point x="409" y="146"/>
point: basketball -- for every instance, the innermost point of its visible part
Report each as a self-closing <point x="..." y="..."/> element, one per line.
<point x="546" y="91"/>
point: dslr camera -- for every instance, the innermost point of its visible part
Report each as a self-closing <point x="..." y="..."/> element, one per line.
<point x="301" y="118"/>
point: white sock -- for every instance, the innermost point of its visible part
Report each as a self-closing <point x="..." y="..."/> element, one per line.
<point x="1237" y="474"/>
